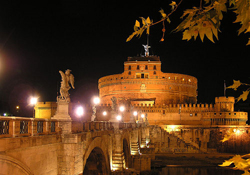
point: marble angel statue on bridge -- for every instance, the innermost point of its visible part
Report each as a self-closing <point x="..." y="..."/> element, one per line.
<point x="65" y="87"/>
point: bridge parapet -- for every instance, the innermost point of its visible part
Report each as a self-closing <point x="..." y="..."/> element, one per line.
<point x="79" y="126"/>
<point x="21" y="126"/>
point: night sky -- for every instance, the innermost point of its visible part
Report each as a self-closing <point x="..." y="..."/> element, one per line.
<point x="39" y="38"/>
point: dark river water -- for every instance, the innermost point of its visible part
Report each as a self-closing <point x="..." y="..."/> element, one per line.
<point x="177" y="170"/>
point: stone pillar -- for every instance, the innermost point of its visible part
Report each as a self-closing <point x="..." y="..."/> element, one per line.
<point x="143" y="137"/>
<point x="147" y="135"/>
<point x="62" y="114"/>
<point x="117" y="151"/>
<point x="151" y="136"/>
<point x="134" y="142"/>
<point x="70" y="155"/>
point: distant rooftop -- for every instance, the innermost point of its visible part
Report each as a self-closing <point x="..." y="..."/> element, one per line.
<point x="144" y="58"/>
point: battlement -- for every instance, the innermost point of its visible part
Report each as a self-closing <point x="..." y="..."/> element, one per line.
<point x="224" y="99"/>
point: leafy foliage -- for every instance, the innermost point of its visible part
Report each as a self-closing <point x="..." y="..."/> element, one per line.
<point x="230" y="132"/>
<point x="201" y="21"/>
<point x="237" y="84"/>
<point x="239" y="163"/>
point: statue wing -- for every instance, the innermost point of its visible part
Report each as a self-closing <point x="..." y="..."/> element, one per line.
<point x="72" y="80"/>
<point x="63" y="78"/>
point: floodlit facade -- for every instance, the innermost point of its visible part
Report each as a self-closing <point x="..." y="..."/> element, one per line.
<point x="162" y="98"/>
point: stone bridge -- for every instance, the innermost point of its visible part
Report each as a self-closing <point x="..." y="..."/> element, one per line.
<point x="53" y="146"/>
<point x="45" y="146"/>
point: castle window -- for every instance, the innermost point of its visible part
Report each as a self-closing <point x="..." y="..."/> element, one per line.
<point x="189" y="80"/>
<point x="138" y="75"/>
<point x="154" y="72"/>
<point x="129" y="67"/>
<point x="195" y="114"/>
<point x="154" y="67"/>
<point x="129" y="73"/>
<point x="191" y="115"/>
<point x="138" y="67"/>
<point x="142" y="75"/>
<point x="146" y="67"/>
<point x="163" y="111"/>
<point x="183" y="79"/>
<point x="146" y="75"/>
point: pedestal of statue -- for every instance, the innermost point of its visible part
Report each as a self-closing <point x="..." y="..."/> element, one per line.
<point x="62" y="114"/>
<point x="113" y="116"/>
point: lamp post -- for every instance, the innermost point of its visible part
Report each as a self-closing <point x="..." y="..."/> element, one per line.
<point x="96" y="101"/>
<point x="33" y="101"/>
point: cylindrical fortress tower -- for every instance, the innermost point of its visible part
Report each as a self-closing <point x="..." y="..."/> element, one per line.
<point x="143" y="82"/>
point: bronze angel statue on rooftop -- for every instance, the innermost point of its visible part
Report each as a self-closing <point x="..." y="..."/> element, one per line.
<point x="65" y="87"/>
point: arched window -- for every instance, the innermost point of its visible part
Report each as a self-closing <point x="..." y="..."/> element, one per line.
<point x="154" y="73"/>
<point x="129" y="73"/>
<point x="138" y="67"/>
<point x="129" y="67"/>
<point x="146" y="67"/>
<point x="154" y="67"/>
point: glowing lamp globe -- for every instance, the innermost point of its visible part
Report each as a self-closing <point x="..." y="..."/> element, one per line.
<point x="122" y="108"/>
<point x="33" y="100"/>
<point x="119" y="117"/>
<point x="96" y="100"/>
<point x="104" y="113"/>
<point x="79" y="111"/>
<point x="135" y="113"/>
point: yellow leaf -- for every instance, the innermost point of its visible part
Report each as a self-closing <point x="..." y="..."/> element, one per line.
<point x="137" y="23"/>
<point x="248" y="42"/>
<point x="168" y="20"/>
<point x="226" y="163"/>
<point x="226" y="138"/>
<point x="246" y="172"/>
<point x="148" y="20"/>
<point x="186" y="35"/>
<point x="209" y="34"/>
<point x="173" y="4"/>
<point x="131" y="36"/>
<point x="162" y="13"/>
<point x="143" y="21"/>
<point x="243" y="96"/>
<point x="236" y="84"/>
<point x="201" y="33"/>
<point x="215" y="31"/>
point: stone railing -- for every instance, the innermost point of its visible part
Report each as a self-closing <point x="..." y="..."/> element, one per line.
<point x="21" y="126"/>
<point x="78" y="126"/>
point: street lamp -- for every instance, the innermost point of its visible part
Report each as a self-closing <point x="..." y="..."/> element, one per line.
<point x="122" y="109"/>
<point x="33" y="101"/>
<point x="79" y="111"/>
<point x="104" y="113"/>
<point x="96" y="101"/>
<point x="119" y="117"/>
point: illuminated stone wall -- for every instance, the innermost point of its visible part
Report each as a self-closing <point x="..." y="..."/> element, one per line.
<point x="143" y="79"/>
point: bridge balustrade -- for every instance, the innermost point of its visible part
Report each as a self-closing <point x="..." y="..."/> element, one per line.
<point x="78" y="126"/>
<point x="21" y="127"/>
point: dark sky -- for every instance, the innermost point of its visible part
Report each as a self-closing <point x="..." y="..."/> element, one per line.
<point x="39" y="38"/>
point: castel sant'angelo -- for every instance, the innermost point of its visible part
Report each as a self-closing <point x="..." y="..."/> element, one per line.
<point x="161" y="98"/>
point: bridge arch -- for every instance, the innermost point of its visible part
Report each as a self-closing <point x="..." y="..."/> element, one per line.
<point x="96" y="158"/>
<point x="127" y="150"/>
<point x="10" y="165"/>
